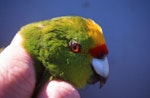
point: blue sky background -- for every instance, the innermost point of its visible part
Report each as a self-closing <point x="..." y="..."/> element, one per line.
<point x="126" y="26"/>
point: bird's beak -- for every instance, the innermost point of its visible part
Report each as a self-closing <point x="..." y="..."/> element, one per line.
<point x="101" y="71"/>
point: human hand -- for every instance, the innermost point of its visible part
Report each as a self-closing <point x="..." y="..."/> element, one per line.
<point x="17" y="76"/>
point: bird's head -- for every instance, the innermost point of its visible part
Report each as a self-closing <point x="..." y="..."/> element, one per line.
<point x="71" y="48"/>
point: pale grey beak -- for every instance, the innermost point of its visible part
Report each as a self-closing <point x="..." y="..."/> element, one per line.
<point x="101" y="66"/>
<point x="101" y="71"/>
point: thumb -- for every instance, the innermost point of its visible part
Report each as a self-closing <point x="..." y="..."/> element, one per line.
<point x="17" y="75"/>
<point x="58" y="89"/>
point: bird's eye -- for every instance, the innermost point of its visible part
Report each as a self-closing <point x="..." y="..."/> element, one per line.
<point x="74" y="46"/>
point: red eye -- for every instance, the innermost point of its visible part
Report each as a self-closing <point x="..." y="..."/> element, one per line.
<point x="75" y="47"/>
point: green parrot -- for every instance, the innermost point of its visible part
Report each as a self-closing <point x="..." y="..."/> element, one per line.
<point x="70" y="48"/>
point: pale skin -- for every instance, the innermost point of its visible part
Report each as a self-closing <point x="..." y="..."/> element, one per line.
<point x="17" y="76"/>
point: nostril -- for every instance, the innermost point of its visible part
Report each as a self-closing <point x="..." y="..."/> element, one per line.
<point x="101" y="55"/>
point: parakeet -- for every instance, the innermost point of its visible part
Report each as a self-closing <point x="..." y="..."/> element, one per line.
<point x="70" y="48"/>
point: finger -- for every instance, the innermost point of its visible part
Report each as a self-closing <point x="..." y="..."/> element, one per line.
<point x="58" y="89"/>
<point x="17" y="76"/>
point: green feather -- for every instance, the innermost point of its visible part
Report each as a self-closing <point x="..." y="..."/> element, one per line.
<point x="47" y="42"/>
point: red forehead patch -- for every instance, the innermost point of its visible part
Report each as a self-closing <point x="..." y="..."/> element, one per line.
<point x="98" y="50"/>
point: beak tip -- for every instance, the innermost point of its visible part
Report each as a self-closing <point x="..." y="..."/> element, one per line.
<point x="101" y="84"/>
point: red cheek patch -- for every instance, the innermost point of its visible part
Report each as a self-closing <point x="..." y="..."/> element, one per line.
<point x="98" y="50"/>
